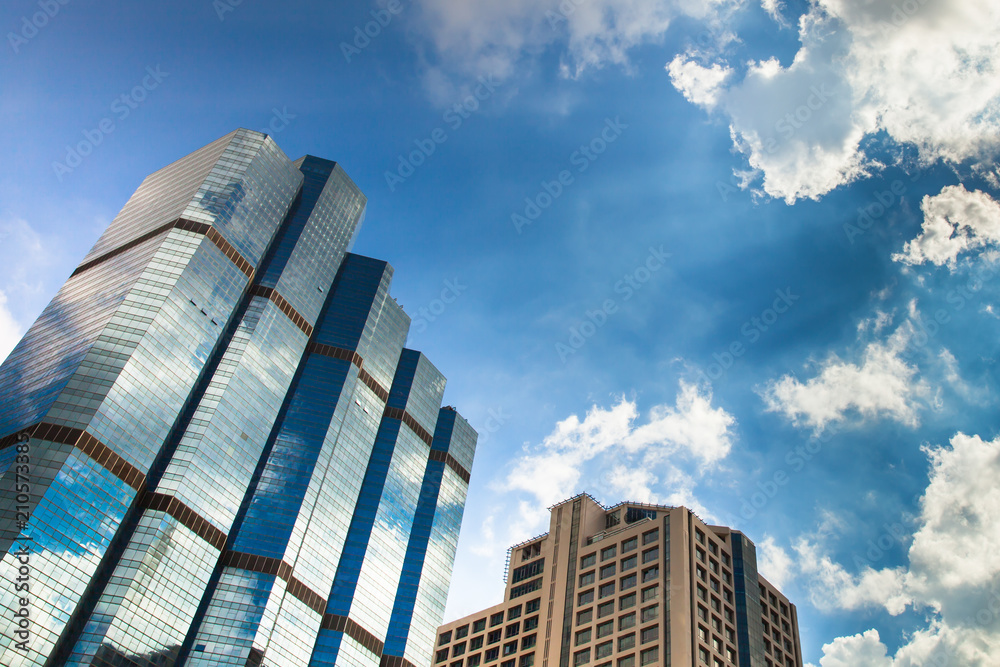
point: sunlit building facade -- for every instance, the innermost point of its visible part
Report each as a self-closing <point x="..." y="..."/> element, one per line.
<point x="632" y="585"/>
<point x="214" y="447"/>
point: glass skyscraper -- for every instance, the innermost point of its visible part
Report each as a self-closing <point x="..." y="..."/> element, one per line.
<point x="214" y="447"/>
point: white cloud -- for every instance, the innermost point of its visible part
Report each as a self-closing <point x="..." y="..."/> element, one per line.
<point x="474" y="37"/>
<point x="864" y="650"/>
<point x="953" y="573"/>
<point x="700" y="85"/>
<point x="691" y="429"/>
<point x="774" y="9"/>
<point x="10" y="330"/>
<point x="803" y="125"/>
<point x="883" y="385"/>
<point x="833" y="587"/>
<point x="955" y="221"/>
<point x="774" y="562"/>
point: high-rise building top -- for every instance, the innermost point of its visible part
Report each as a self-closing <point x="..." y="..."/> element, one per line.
<point x="214" y="446"/>
<point x="626" y="586"/>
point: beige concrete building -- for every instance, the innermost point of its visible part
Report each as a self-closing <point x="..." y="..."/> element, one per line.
<point x="632" y="585"/>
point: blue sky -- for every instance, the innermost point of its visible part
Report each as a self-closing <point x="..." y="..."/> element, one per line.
<point x="736" y="255"/>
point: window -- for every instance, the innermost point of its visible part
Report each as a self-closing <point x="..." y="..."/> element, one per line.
<point x="725" y="560"/>
<point x="492" y="654"/>
<point x="627" y="661"/>
<point x="474" y="660"/>
<point x="444" y="638"/>
<point x="702" y="655"/>
<point x="629" y="544"/>
<point x="612" y="519"/>
<point x="532" y="605"/>
<point x="626" y="601"/>
<point x="702" y="613"/>
<point x="587" y="578"/>
<point x="698" y="535"/>
<point x="713" y="565"/>
<point x="608" y="571"/>
<point x="496" y="619"/>
<point x="529" y="642"/>
<point x="628" y="582"/>
<point x="714" y="584"/>
<point x="514" y="612"/>
<point x="716" y="624"/>
<point x="699" y="554"/>
<point x="628" y="563"/>
<point x="716" y="605"/>
<point x="581" y="657"/>
<point x="512" y="630"/>
<point x="650" y="574"/>
<point x="701" y="572"/>
<point x="528" y="571"/>
<point x="702" y="593"/>
<point x="649" y="613"/>
<point x="626" y="642"/>
<point x="728" y="616"/>
<point x="649" y="656"/>
<point x="476" y="643"/>
<point x="605" y="609"/>
<point x="652" y="633"/>
<point x="585" y="597"/>
<point x="609" y="552"/>
<point x="478" y="626"/>
<point x="582" y="617"/>
<point x="606" y="589"/>
<point x="510" y="648"/>
<point x="649" y="593"/>
<point x="458" y="649"/>
<point x="633" y="514"/>
<point x="507" y="663"/>
<point x="494" y="637"/>
<point x="531" y="586"/>
<point x="588" y="561"/>
<point x="462" y="631"/>
<point x="527" y="660"/>
<point x="625" y="622"/>
<point x="604" y="650"/>
<point x="650" y="555"/>
<point x="605" y="629"/>
<point x="583" y="637"/>
<point x="442" y="655"/>
<point x="650" y="537"/>
<point x="530" y="623"/>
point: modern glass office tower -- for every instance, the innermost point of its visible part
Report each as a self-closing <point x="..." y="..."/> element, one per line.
<point x="629" y="586"/>
<point x="214" y="447"/>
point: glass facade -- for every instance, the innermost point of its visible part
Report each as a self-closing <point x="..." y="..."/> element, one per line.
<point x="230" y="457"/>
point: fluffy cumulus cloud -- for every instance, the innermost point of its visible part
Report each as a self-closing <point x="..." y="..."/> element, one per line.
<point x="955" y="221"/>
<point x="953" y="574"/>
<point x="699" y="84"/>
<point x="774" y="562"/>
<point x="881" y="384"/>
<point x="922" y="71"/>
<point x="611" y="441"/>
